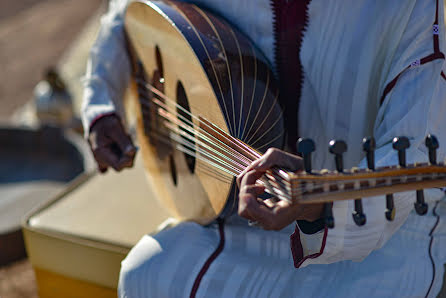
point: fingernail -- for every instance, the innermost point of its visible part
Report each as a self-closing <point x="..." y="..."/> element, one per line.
<point x="130" y="150"/>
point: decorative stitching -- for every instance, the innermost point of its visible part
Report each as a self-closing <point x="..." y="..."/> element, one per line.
<point x="298" y="263"/>
<point x="290" y="20"/>
<point x="437" y="54"/>
<point x="211" y="259"/>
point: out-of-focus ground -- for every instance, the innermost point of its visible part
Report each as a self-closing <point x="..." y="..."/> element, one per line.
<point x="34" y="34"/>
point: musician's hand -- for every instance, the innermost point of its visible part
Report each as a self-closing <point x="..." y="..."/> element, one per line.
<point x="111" y="145"/>
<point x="272" y="214"/>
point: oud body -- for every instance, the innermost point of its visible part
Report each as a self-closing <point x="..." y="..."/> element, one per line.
<point x="203" y="69"/>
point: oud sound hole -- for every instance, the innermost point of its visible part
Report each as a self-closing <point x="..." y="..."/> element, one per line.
<point x="173" y="170"/>
<point x="185" y="117"/>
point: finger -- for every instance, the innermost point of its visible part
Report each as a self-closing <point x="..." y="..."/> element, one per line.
<point x="271" y="203"/>
<point x="275" y="157"/>
<point x="251" y="209"/>
<point x="102" y="168"/>
<point x="248" y="206"/>
<point x="254" y="190"/>
<point x="125" y="162"/>
<point x="123" y="141"/>
<point x="106" y="156"/>
<point x="246" y="170"/>
<point x="251" y="177"/>
<point x="97" y="139"/>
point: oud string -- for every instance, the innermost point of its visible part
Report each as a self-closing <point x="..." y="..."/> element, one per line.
<point x="186" y="124"/>
<point x="316" y="187"/>
<point x="232" y="161"/>
<point x="241" y="146"/>
<point x="176" y="105"/>
<point x="183" y="132"/>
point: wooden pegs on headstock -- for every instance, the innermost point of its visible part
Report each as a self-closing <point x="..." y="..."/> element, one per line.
<point x="368" y="145"/>
<point x="358" y="215"/>
<point x="338" y="148"/>
<point x="432" y="145"/>
<point x="328" y="215"/>
<point x="400" y="144"/>
<point x="390" y="207"/>
<point x="306" y="147"/>
<point x="420" y="205"/>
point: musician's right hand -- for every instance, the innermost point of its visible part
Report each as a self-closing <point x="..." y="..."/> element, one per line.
<point x="110" y="144"/>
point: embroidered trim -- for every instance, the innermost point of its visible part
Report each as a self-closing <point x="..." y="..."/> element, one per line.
<point x="415" y="63"/>
<point x="290" y="20"/>
<point x="211" y="259"/>
<point x="297" y="250"/>
<point x="436" y="29"/>
<point x="443" y="76"/>
<point x="436" y="55"/>
<point x="93" y="122"/>
<point x="436" y="39"/>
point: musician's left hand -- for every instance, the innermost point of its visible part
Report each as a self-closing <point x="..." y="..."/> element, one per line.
<point x="272" y="214"/>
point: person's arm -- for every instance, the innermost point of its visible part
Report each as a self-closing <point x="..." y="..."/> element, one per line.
<point x="106" y="79"/>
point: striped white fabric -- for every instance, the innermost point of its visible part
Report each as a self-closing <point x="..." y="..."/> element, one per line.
<point x="256" y="263"/>
<point x="352" y="50"/>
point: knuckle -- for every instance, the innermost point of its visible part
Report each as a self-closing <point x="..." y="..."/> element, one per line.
<point x="274" y="151"/>
<point x="248" y="176"/>
<point x="246" y="188"/>
<point x="270" y="151"/>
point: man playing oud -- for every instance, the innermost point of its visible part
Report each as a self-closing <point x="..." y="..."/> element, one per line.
<point x="353" y="69"/>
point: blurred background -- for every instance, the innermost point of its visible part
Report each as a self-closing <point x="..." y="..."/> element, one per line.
<point x="35" y="36"/>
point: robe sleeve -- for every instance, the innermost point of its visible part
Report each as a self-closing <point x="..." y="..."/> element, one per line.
<point x="108" y="68"/>
<point x="414" y="107"/>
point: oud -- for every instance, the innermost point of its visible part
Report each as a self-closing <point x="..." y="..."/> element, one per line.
<point x="208" y="105"/>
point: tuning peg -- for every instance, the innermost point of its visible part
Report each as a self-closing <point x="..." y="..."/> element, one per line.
<point x="390" y="207"/>
<point x="401" y="144"/>
<point x="338" y="148"/>
<point x="369" y="145"/>
<point x="358" y="215"/>
<point x="432" y="144"/>
<point x="306" y="147"/>
<point x="328" y="215"/>
<point x="420" y="206"/>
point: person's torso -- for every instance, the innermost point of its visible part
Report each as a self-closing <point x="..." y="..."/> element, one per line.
<point x="347" y="55"/>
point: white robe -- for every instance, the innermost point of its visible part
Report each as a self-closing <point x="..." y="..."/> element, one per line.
<point x="351" y="51"/>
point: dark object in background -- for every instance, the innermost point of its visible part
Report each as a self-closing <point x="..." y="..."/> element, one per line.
<point x="35" y="165"/>
<point x="53" y="101"/>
